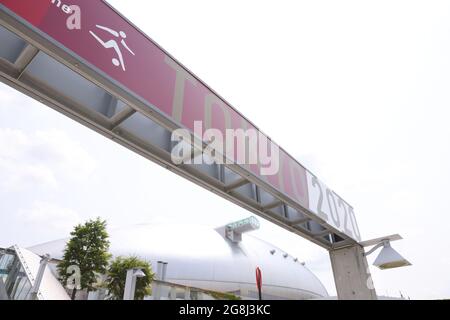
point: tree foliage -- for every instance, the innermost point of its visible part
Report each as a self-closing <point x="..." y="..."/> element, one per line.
<point x="88" y="250"/>
<point x="117" y="274"/>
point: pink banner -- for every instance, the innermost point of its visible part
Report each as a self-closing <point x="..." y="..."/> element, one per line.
<point x="108" y="42"/>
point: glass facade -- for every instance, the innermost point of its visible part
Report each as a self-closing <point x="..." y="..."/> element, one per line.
<point x="5" y="264"/>
<point x="14" y="277"/>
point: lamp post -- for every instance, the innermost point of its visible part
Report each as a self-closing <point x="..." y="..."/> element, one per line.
<point x="130" y="283"/>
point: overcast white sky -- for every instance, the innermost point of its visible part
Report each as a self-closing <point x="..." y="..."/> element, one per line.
<point x="358" y="91"/>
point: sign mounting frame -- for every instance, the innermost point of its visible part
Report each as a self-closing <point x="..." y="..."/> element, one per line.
<point x="276" y="210"/>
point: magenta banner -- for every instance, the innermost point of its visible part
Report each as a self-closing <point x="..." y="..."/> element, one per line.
<point x="95" y="32"/>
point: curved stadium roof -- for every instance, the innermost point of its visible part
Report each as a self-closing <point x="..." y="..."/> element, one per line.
<point x="203" y="257"/>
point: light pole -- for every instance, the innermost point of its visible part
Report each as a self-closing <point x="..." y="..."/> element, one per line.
<point x="130" y="283"/>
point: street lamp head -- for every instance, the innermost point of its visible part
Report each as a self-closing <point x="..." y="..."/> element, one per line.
<point x="138" y="273"/>
<point x="389" y="258"/>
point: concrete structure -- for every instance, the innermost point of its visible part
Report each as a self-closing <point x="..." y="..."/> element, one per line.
<point x="352" y="274"/>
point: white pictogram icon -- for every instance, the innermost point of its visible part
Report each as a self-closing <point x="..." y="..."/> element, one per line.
<point x="114" y="45"/>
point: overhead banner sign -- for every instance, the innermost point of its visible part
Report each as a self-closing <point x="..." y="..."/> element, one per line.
<point x="98" y="36"/>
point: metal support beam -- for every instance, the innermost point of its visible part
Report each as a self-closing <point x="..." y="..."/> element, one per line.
<point x="121" y="117"/>
<point x="235" y="185"/>
<point x="272" y="205"/>
<point x="25" y="58"/>
<point x="5" y="251"/>
<point x="351" y="274"/>
<point x="322" y="234"/>
<point x="299" y="221"/>
<point x="194" y="154"/>
<point x="40" y="275"/>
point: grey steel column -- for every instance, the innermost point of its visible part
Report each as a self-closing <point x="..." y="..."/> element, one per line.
<point x="40" y="275"/>
<point x="161" y="272"/>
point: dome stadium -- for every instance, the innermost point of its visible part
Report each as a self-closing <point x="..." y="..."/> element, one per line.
<point x="205" y="258"/>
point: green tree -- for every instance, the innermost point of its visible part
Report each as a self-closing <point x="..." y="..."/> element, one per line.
<point x="88" y="250"/>
<point x="117" y="274"/>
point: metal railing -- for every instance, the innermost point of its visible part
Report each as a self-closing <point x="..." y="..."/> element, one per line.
<point x="163" y="290"/>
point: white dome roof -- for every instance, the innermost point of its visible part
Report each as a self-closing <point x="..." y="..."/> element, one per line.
<point x="202" y="257"/>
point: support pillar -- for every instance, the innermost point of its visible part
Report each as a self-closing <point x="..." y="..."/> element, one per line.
<point x="40" y="275"/>
<point x="351" y="274"/>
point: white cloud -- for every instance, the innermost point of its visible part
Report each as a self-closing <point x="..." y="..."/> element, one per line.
<point x="67" y="155"/>
<point x="15" y="177"/>
<point x="50" y="217"/>
<point x="41" y="158"/>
